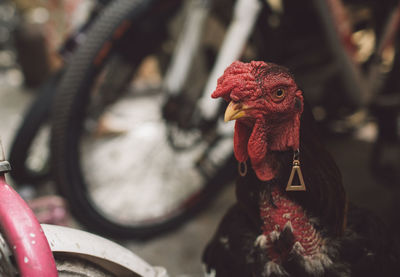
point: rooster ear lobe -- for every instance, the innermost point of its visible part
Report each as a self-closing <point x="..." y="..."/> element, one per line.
<point x="298" y="101"/>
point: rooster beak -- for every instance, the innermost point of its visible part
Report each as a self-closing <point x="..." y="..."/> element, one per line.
<point x="235" y="111"/>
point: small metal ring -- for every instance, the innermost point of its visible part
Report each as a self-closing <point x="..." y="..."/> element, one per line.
<point x="242" y="168"/>
<point x="296" y="154"/>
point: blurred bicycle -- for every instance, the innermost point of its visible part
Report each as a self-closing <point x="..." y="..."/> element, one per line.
<point x="169" y="153"/>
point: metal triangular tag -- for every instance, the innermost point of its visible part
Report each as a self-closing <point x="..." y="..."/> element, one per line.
<point x="296" y="168"/>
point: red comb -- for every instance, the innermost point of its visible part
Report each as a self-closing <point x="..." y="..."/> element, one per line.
<point x="238" y="81"/>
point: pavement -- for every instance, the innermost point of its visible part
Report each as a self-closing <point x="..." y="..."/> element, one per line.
<point x="180" y="250"/>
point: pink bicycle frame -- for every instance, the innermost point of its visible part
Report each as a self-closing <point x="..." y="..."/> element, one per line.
<point x="22" y="231"/>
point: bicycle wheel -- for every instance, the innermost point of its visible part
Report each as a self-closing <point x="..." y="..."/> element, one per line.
<point x="112" y="157"/>
<point x="31" y="167"/>
<point x="71" y="267"/>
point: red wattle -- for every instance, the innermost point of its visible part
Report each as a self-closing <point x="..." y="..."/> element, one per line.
<point x="266" y="170"/>
<point x="257" y="147"/>
<point x="240" y="140"/>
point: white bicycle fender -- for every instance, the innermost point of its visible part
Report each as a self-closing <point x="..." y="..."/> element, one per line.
<point x="113" y="257"/>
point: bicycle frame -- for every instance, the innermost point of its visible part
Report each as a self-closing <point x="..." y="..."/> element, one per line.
<point x="244" y="17"/>
<point x="22" y="231"/>
<point x="33" y="245"/>
<point x="187" y="46"/>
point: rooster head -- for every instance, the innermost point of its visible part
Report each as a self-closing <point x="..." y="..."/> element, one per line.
<point x="267" y="105"/>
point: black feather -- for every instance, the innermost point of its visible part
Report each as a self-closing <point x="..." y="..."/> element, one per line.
<point x="362" y="248"/>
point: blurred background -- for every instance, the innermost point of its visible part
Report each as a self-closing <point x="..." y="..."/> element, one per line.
<point x="104" y="120"/>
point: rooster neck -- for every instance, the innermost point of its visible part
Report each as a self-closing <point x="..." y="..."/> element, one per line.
<point x="279" y="214"/>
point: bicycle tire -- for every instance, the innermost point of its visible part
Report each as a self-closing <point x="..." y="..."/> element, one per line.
<point x="35" y="117"/>
<point x="68" y="113"/>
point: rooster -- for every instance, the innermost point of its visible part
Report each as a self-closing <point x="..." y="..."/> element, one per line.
<point x="279" y="228"/>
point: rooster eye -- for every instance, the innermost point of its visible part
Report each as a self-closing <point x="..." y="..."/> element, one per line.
<point x="279" y="94"/>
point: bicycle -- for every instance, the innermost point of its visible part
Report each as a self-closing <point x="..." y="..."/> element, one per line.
<point x="148" y="219"/>
<point x="30" y="249"/>
<point x="196" y="125"/>
<point x="31" y="168"/>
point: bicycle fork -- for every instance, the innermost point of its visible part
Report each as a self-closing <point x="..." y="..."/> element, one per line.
<point x="244" y="17"/>
<point x="22" y="232"/>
